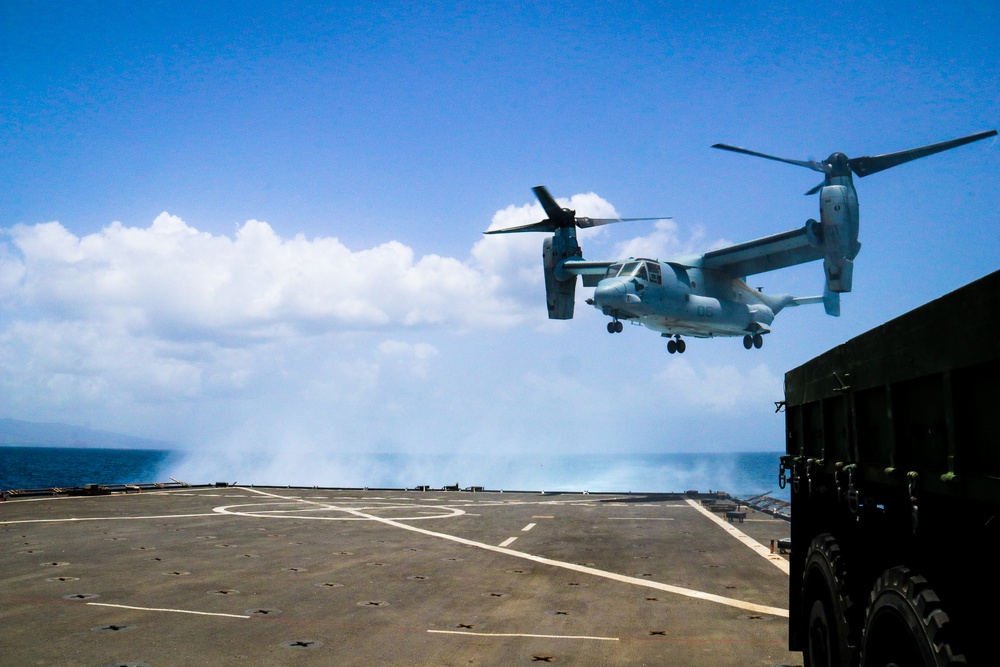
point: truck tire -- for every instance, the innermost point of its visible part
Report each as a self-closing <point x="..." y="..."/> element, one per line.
<point x="831" y="638"/>
<point x="906" y="625"/>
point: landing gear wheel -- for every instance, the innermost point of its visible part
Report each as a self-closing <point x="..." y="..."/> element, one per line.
<point x="681" y="346"/>
<point x="758" y="341"/>
<point x="611" y="327"/>
<point x="830" y="641"/>
<point x="618" y="327"/>
<point x="906" y="624"/>
<point x="671" y="346"/>
<point x="748" y="341"/>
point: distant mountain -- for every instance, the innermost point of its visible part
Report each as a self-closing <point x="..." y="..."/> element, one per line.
<point x="14" y="432"/>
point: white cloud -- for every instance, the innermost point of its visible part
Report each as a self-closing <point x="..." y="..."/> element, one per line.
<point x="588" y="205"/>
<point x="515" y="259"/>
<point x="518" y="254"/>
<point x="666" y="242"/>
<point x="171" y="281"/>
<point x="129" y="328"/>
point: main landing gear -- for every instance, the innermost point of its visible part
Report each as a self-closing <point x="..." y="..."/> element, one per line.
<point x="614" y="326"/>
<point x="756" y="340"/>
<point x="677" y="346"/>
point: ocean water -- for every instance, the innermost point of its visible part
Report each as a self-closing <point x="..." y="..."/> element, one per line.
<point x="742" y="473"/>
<point x="49" y="467"/>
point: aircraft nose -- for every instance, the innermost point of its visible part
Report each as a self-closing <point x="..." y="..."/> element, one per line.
<point x="610" y="293"/>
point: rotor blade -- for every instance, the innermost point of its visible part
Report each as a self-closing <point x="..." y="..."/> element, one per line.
<point x="584" y="223"/>
<point x="816" y="189"/>
<point x="811" y="164"/>
<point x="542" y="226"/>
<point x="552" y="209"/>
<point x="865" y="166"/>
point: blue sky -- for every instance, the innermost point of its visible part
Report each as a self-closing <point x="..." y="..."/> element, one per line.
<point x="256" y="227"/>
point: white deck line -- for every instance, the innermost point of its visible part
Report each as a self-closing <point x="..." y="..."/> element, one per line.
<point x="106" y="518"/>
<point x="521" y="634"/>
<point x="173" y="611"/>
<point x="687" y="592"/>
<point x="730" y="528"/>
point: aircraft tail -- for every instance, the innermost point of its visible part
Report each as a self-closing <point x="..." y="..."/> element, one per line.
<point x="830" y="301"/>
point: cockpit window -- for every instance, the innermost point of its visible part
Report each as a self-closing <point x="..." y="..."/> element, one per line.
<point x="637" y="269"/>
<point x="654" y="273"/>
<point x="613" y="270"/>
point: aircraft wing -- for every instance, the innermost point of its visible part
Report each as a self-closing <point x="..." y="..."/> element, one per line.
<point x="592" y="272"/>
<point x="582" y="267"/>
<point x="766" y="254"/>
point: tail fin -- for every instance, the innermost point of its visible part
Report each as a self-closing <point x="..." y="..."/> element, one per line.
<point x="830" y="301"/>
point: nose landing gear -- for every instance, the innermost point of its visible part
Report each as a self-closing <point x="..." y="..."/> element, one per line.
<point x="756" y="340"/>
<point x="677" y="345"/>
<point x="614" y="326"/>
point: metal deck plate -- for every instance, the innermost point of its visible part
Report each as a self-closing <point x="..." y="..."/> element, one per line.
<point x="271" y="576"/>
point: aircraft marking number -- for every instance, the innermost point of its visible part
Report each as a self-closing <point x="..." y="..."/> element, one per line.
<point x="706" y="311"/>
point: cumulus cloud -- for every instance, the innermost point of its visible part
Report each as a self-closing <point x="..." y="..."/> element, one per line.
<point x="517" y="254"/>
<point x="517" y="257"/>
<point x="497" y="254"/>
<point x="666" y="241"/>
<point x="586" y="205"/>
<point x="128" y="321"/>
<point x="173" y="281"/>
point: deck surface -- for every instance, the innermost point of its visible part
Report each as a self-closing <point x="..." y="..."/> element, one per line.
<point x="274" y="576"/>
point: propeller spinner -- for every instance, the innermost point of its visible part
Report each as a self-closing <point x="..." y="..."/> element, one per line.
<point x="839" y="164"/>
<point x="560" y="217"/>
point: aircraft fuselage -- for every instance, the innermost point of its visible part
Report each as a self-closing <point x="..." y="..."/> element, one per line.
<point x="679" y="300"/>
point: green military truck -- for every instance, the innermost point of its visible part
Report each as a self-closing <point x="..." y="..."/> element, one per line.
<point x="893" y="457"/>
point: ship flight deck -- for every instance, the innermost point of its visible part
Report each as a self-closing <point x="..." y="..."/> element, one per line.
<point x="283" y="576"/>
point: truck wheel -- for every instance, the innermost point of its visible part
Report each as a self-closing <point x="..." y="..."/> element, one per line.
<point x="828" y="609"/>
<point x="906" y="625"/>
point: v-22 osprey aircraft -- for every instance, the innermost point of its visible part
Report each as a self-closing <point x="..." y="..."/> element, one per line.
<point x="707" y="296"/>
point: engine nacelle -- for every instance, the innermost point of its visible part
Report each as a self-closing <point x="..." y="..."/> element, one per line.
<point x="839" y="236"/>
<point x="560" y="295"/>
<point x="814" y="232"/>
